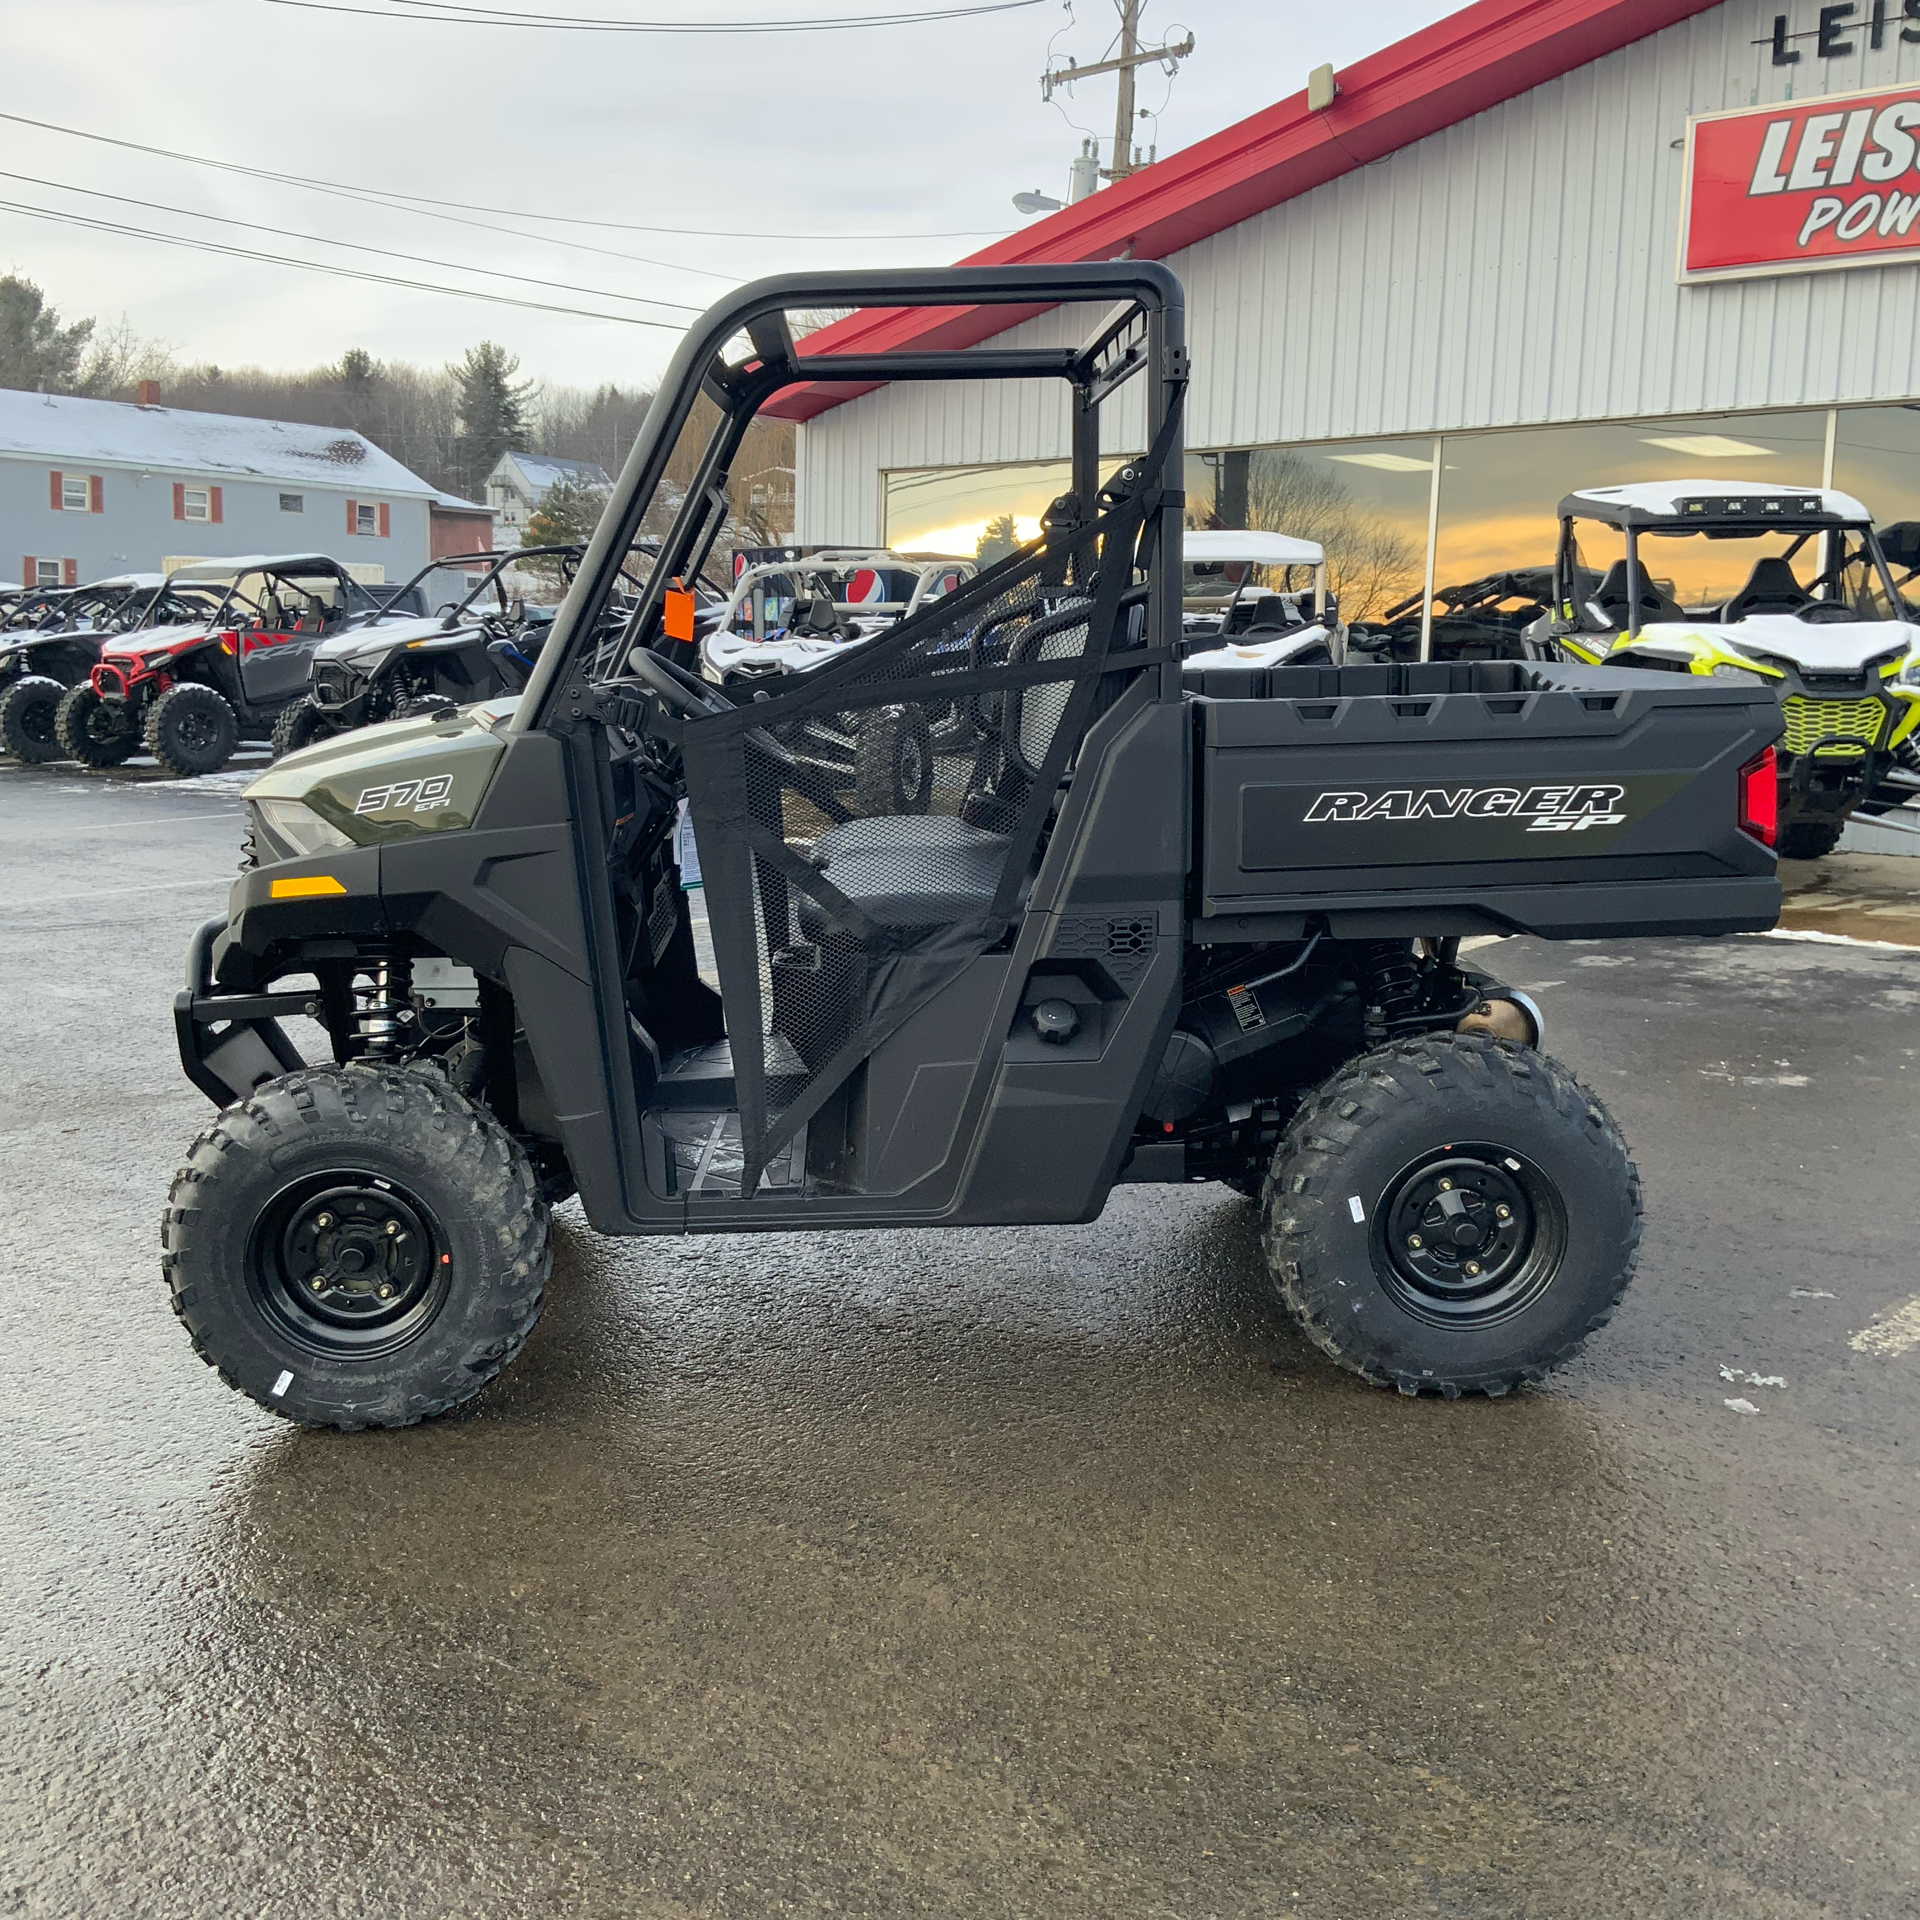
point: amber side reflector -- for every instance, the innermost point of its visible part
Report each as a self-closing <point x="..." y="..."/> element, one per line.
<point x="1760" y="798"/>
<point x="676" y="614"/>
<point x="305" y="888"/>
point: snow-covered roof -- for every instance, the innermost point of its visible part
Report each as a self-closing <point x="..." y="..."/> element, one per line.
<point x="1217" y="544"/>
<point x="540" y="471"/>
<point x="59" y="427"/>
<point x="1743" y="499"/>
<point x="453" y="503"/>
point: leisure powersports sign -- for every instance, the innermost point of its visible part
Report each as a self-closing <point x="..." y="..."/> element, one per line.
<point x="1807" y="185"/>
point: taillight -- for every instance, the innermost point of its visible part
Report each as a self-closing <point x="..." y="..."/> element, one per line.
<point x="1760" y="798"/>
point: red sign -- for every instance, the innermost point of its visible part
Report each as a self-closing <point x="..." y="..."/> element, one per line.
<point x="1833" y="182"/>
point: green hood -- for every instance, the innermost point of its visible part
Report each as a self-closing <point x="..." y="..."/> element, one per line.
<point x="392" y="781"/>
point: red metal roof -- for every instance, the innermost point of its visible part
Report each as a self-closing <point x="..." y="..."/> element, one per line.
<point x="1433" y="79"/>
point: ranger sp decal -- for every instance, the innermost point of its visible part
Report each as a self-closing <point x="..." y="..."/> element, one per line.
<point x="1560" y="809"/>
<point x="423" y="796"/>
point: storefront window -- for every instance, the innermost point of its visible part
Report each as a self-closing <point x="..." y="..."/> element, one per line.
<point x="1876" y="458"/>
<point x="978" y="511"/>
<point x="1366" y="503"/>
<point x="1499" y="491"/>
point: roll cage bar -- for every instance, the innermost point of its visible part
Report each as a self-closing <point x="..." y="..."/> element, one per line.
<point x="1829" y="528"/>
<point x="1144" y="332"/>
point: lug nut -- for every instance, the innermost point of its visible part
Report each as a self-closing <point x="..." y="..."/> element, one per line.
<point x="1473" y="1266"/>
<point x="386" y="1293"/>
<point x="1414" y="1240"/>
<point x="324" y="1220"/>
<point x="393" y="1226"/>
<point x="1446" y="1186"/>
<point x="1503" y="1213"/>
<point x="319" y="1286"/>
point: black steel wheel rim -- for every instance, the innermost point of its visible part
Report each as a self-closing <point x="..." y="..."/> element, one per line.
<point x="349" y="1264"/>
<point x="197" y="730"/>
<point x="36" y="721"/>
<point x="1469" y="1234"/>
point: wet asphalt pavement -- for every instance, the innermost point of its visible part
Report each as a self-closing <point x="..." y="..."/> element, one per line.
<point x="1022" y="1573"/>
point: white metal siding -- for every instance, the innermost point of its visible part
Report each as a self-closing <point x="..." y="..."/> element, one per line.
<point x="1514" y="270"/>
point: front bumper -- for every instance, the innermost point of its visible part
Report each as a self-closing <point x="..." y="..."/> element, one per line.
<point x="231" y="1042"/>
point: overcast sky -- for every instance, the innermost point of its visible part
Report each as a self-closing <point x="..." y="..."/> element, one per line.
<point x="904" y="133"/>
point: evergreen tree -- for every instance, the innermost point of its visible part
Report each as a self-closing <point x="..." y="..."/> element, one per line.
<point x="998" y="538"/>
<point x="492" y="411"/>
<point x="35" y="349"/>
<point x="567" y="514"/>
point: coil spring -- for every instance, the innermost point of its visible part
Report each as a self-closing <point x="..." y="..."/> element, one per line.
<point x="383" y="1007"/>
<point x="1390" y="984"/>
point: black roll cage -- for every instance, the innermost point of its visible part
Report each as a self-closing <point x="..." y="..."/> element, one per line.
<point x="1830" y="529"/>
<point x="1145" y="332"/>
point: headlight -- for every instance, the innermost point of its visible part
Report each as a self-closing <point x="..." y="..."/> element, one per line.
<point x="294" y="830"/>
<point x="1726" y="670"/>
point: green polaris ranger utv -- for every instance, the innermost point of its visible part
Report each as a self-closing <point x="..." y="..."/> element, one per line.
<point x="1152" y="924"/>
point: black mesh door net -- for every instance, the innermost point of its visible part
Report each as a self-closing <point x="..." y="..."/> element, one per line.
<point x="871" y="827"/>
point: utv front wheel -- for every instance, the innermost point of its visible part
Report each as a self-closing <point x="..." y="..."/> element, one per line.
<point x="191" y="730"/>
<point x="91" y="731"/>
<point x="27" y="709"/>
<point x="1452" y="1215"/>
<point x="299" y="725"/>
<point x="356" y="1247"/>
<point x="1809" y="839"/>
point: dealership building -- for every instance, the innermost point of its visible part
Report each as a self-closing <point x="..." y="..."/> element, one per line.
<point x="1542" y="245"/>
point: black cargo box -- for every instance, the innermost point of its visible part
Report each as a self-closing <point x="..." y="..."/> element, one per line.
<point x="1476" y="797"/>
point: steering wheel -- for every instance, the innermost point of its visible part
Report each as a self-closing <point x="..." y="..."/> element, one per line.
<point x="682" y="691"/>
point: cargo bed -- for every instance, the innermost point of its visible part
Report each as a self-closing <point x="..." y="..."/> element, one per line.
<point x="1476" y="797"/>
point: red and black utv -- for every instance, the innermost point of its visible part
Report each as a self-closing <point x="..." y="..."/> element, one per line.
<point x="190" y="693"/>
<point x="50" y="641"/>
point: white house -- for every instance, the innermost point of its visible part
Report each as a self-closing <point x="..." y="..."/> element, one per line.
<point x="96" y="487"/>
<point x="519" y="482"/>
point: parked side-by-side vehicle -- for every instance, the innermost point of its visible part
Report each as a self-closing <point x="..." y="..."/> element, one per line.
<point x="191" y="690"/>
<point x="1818" y="622"/>
<point x="1152" y="922"/>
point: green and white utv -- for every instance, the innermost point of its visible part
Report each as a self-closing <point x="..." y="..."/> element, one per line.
<point x="1817" y="618"/>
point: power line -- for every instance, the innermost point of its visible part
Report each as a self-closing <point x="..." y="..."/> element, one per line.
<point x="460" y="14"/>
<point x="384" y="196"/>
<point x="358" y="246"/>
<point x="88" y="222"/>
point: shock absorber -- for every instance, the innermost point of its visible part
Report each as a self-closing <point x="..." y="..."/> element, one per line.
<point x="1390" y="985"/>
<point x="383" y="1017"/>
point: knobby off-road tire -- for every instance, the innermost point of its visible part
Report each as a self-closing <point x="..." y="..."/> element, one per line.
<point x="1394" y="1178"/>
<point x="298" y="1205"/>
<point x="893" y="762"/>
<point x="1809" y="839"/>
<point x="92" y="732"/>
<point x="192" y="730"/>
<point x="27" y="710"/>
<point x="299" y="725"/>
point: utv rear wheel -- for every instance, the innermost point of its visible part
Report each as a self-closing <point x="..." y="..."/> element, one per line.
<point x="1452" y="1215"/>
<point x="356" y="1247"/>
<point x="893" y="762"/>
<point x="300" y="725"/>
<point x="192" y="730"/>
<point x="27" y="709"/>
<point x="91" y="731"/>
<point x="1809" y="839"/>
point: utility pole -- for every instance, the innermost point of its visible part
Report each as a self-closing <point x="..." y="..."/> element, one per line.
<point x="1131" y="57"/>
<point x="1123" y="147"/>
